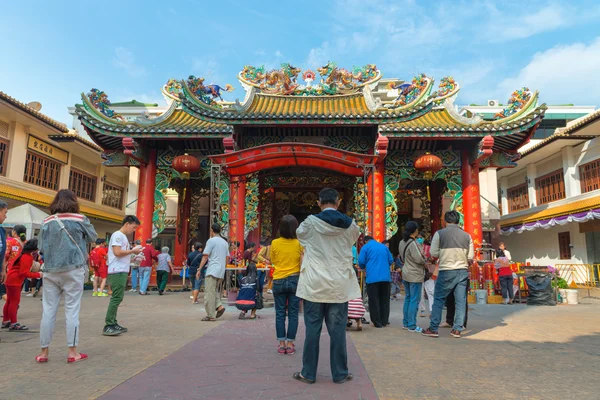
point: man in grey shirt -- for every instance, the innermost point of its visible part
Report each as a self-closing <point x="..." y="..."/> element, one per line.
<point x="454" y="248"/>
<point x="215" y="258"/>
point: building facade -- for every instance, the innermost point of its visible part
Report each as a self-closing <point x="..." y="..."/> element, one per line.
<point x="39" y="156"/>
<point x="551" y="200"/>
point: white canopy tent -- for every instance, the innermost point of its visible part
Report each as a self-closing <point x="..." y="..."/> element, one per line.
<point x="27" y="215"/>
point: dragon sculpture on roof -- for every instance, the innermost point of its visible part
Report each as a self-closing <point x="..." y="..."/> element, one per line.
<point x="517" y="101"/>
<point x="99" y="100"/>
<point x="334" y="80"/>
<point x="206" y="93"/>
<point x="409" y="92"/>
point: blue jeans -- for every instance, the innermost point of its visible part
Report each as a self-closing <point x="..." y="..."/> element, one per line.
<point x="144" y="273"/>
<point x="450" y="281"/>
<point x="284" y="292"/>
<point x="411" y="303"/>
<point x="134" y="278"/>
<point x="336" y="317"/>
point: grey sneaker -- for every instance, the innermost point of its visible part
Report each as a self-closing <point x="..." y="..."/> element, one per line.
<point x="110" y="330"/>
<point x="120" y="328"/>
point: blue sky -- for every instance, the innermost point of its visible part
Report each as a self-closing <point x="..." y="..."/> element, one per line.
<point x="54" y="50"/>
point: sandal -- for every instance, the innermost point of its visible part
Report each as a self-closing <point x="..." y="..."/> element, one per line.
<point x="208" y="319"/>
<point x="298" y="376"/>
<point x="220" y="312"/>
<point x="82" y="357"/>
<point x="18" y="327"/>
<point x="41" y="359"/>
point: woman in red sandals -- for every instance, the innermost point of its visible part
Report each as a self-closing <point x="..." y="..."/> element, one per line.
<point x="17" y="272"/>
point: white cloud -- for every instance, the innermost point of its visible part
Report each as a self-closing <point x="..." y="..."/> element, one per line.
<point x="509" y="26"/>
<point x="562" y="74"/>
<point x="125" y="60"/>
<point x="319" y="56"/>
<point x="278" y="54"/>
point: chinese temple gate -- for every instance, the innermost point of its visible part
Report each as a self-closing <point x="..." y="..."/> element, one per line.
<point x="269" y="155"/>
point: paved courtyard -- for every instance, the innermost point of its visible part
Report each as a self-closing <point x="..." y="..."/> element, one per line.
<point x="512" y="352"/>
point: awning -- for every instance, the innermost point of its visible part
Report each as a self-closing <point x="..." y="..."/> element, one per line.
<point x="33" y="197"/>
<point x="577" y="211"/>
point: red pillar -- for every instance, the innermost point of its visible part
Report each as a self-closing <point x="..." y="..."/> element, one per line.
<point x="237" y="209"/>
<point x="379" y="230"/>
<point x="182" y="235"/>
<point x="471" y="199"/>
<point x="145" y="202"/>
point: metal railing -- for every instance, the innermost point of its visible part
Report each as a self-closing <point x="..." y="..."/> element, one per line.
<point x="580" y="276"/>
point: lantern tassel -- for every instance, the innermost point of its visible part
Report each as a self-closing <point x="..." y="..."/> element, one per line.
<point x="428" y="193"/>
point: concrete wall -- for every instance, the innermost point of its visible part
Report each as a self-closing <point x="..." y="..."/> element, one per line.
<point x="540" y="247"/>
<point x="551" y="165"/>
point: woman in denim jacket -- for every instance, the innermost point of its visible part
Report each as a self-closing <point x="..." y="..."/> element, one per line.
<point x="63" y="242"/>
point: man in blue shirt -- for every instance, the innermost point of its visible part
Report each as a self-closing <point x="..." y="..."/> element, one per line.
<point x="376" y="259"/>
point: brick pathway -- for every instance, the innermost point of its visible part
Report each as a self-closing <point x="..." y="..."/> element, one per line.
<point x="239" y="360"/>
<point x="513" y="352"/>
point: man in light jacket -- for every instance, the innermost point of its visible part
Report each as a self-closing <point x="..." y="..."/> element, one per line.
<point x="454" y="248"/>
<point x="327" y="282"/>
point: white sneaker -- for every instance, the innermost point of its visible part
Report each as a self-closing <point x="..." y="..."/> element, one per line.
<point x="133" y="290"/>
<point x="29" y="295"/>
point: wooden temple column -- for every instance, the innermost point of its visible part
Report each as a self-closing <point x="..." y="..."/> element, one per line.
<point x="471" y="199"/>
<point x="145" y="202"/>
<point x="237" y="209"/>
<point x="182" y="230"/>
<point x="435" y="206"/>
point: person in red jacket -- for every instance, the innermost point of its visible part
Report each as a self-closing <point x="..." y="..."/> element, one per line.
<point x="16" y="275"/>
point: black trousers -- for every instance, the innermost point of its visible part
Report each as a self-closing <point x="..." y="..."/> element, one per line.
<point x="451" y="307"/>
<point x="379" y="303"/>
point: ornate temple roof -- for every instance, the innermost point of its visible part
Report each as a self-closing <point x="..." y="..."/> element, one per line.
<point x="275" y="98"/>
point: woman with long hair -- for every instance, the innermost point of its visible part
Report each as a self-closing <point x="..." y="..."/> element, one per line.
<point x="247" y="298"/>
<point x="286" y="257"/>
<point x="413" y="274"/>
<point x="63" y="242"/>
<point x="16" y="275"/>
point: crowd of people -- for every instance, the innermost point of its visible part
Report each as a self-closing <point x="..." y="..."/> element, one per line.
<point x="315" y="265"/>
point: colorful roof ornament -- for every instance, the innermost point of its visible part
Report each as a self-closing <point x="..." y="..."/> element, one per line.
<point x="206" y="93"/>
<point x="276" y="81"/>
<point x="517" y="102"/>
<point x="448" y="87"/>
<point x="409" y="93"/>
<point x="99" y="100"/>
<point x="334" y="80"/>
<point x="171" y="90"/>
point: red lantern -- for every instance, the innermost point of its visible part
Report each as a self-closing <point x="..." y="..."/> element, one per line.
<point x="186" y="165"/>
<point x="429" y="164"/>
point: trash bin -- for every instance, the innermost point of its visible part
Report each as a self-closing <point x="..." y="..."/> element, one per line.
<point x="540" y="290"/>
<point x="481" y="296"/>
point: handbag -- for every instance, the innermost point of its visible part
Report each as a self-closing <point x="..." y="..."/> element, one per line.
<point x="259" y="301"/>
<point x="35" y="267"/>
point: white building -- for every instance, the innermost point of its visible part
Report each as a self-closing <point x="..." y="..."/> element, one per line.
<point x="551" y="200"/>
